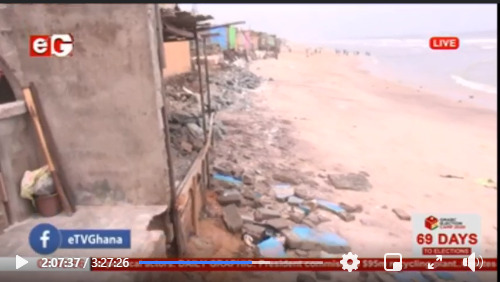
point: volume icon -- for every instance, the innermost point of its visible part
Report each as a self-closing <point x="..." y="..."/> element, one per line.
<point x="471" y="262"/>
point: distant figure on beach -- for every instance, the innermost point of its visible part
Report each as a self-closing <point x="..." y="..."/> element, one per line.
<point x="356" y="53"/>
<point x="346" y="52"/>
<point x="337" y="51"/>
<point x="367" y="53"/>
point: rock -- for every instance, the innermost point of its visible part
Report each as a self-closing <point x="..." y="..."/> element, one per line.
<point x="229" y="197"/>
<point x="265" y="214"/>
<point x="256" y="231"/>
<point x="285" y="178"/>
<point x="351" y="181"/>
<point x="278" y="223"/>
<point x="247" y="179"/>
<point x="401" y="214"/>
<point x="297" y="215"/>
<point x="314" y="219"/>
<point x="304" y="193"/>
<point x="232" y="218"/>
<point x="295" y="201"/>
<point x="306" y="238"/>
<point x="195" y="130"/>
<point x="351" y="209"/>
<point x="186" y="147"/>
<point x="302" y="277"/>
<point x="323" y="275"/>
<point x="223" y="168"/>
<point x="336" y="209"/>
<point x="308" y="222"/>
<point x="282" y="192"/>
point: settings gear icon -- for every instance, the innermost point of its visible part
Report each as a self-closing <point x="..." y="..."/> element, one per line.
<point x="349" y="266"/>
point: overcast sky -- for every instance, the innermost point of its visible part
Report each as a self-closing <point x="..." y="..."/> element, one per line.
<point x="344" y="21"/>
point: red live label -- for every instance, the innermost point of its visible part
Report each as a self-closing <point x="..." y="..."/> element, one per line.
<point x="444" y="43"/>
<point x="58" y="45"/>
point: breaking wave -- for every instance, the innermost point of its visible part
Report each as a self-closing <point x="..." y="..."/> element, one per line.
<point x="474" y="85"/>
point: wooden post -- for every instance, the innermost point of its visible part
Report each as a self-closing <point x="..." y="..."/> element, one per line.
<point x="30" y="104"/>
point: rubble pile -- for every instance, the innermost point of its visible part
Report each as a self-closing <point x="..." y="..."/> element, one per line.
<point x="185" y="118"/>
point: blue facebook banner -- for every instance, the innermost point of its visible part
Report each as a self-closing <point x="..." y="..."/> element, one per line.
<point x="95" y="239"/>
<point x="46" y="239"/>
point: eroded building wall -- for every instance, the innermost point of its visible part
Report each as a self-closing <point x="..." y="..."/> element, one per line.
<point x="101" y="104"/>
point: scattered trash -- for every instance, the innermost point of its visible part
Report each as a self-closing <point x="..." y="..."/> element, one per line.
<point x="487" y="182"/>
<point x="271" y="248"/>
<point x="336" y="209"/>
<point x="228" y="178"/>
<point x="451" y="176"/>
<point x="253" y="234"/>
<point x="401" y="214"/>
<point x="37" y="183"/>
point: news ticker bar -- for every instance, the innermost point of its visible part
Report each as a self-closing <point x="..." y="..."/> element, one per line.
<point x="138" y="264"/>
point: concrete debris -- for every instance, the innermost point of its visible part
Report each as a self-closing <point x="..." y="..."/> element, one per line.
<point x="271" y="248"/>
<point x="336" y="209"/>
<point x="232" y="218"/>
<point x="282" y="192"/>
<point x="228" y="179"/>
<point x="285" y="178"/>
<point x="247" y="179"/>
<point x="295" y="201"/>
<point x="265" y="214"/>
<point x="297" y="215"/>
<point x="401" y="214"/>
<point x="350" y="208"/>
<point x="302" y="277"/>
<point x="186" y="146"/>
<point x="304" y="193"/>
<point x="306" y="238"/>
<point x="256" y="232"/>
<point x="351" y="181"/>
<point x="195" y="130"/>
<point x="229" y="197"/>
<point x="278" y="223"/>
<point x="224" y="168"/>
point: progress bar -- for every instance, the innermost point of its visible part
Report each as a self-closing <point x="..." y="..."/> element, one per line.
<point x="229" y="262"/>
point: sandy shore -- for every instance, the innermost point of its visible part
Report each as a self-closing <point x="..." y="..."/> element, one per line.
<point x="344" y="120"/>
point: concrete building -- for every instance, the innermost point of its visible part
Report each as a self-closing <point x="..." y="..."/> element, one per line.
<point x="102" y="105"/>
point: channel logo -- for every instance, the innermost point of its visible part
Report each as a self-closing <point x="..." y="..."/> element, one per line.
<point x="45" y="239"/>
<point x="431" y="223"/>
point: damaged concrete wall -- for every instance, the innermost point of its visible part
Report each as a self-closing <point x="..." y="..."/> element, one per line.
<point x="177" y="57"/>
<point x="101" y="104"/>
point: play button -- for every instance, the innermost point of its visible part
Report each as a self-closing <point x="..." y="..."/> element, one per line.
<point x="20" y="262"/>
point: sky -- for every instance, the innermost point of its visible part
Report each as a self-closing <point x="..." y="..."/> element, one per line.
<point x="318" y="22"/>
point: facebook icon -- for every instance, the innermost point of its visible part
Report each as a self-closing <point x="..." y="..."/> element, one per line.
<point x="45" y="239"/>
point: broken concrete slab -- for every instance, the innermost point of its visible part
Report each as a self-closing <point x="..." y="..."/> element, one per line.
<point x="302" y="277"/>
<point x="256" y="231"/>
<point x="286" y="178"/>
<point x="283" y="191"/>
<point x="195" y="130"/>
<point x="351" y="208"/>
<point x="336" y="209"/>
<point x="227" y="178"/>
<point x="232" y="218"/>
<point x="295" y="201"/>
<point x="229" y="197"/>
<point x="247" y="179"/>
<point x="265" y="214"/>
<point x="296" y="215"/>
<point x="350" y="181"/>
<point x="271" y="248"/>
<point x="307" y="238"/>
<point x="401" y="214"/>
<point x="279" y="223"/>
<point x="223" y="168"/>
<point x="305" y="193"/>
<point x="186" y="147"/>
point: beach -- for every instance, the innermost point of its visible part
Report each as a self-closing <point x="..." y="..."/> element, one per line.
<point x="345" y="120"/>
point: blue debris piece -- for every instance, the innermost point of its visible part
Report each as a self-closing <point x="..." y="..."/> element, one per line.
<point x="228" y="178"/>
<point x="412" y="276"/>
<point x="329" y="206"/>
<point x="306" y="209"/>
<point x="300" y="237"/>
<point x="271" y="248"/>
<point x="445" y="275"/>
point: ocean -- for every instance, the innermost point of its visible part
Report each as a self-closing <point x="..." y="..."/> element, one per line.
<point x="469" y="72"/>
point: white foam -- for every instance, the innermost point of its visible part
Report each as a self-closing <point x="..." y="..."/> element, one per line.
<point x="474" y="85"/>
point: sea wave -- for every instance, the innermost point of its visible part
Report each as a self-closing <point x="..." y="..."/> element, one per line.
<point x="474" y="85"/>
